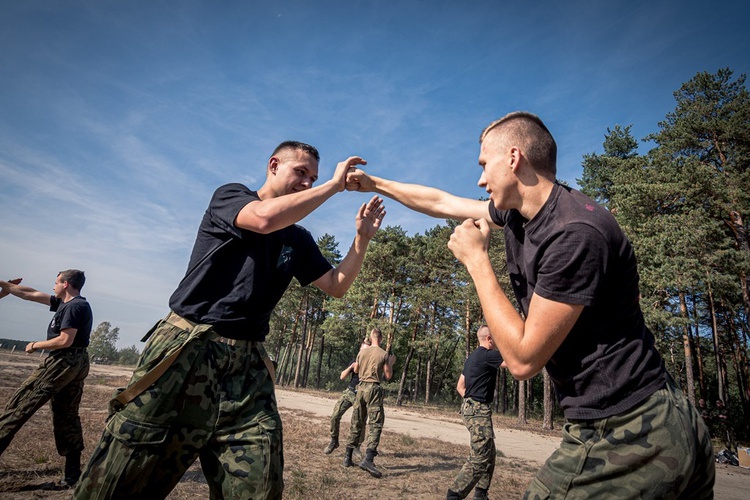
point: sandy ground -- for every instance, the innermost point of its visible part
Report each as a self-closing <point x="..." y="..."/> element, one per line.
<point x="732" y="483"/>
<point x="512" y="443"/>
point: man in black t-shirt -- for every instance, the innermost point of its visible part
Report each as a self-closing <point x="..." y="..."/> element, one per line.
<point x="574" y="274"/>
<point x="476" y="385"/>
<point x="61" y="375"/>
<point x="212" y="393"/>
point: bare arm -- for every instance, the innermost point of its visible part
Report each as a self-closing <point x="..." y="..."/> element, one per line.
<point x="427" y="200"/>
<point x="337" y="281"/>
<point x="65" y="339"/>
<point x="276" y="212"/>
<point x="349" y="369"/>
<point x="526" y="345"/>
<point x="25" y="292"/>
<point x="461" y="386"/>
<point x="388" y="367"/>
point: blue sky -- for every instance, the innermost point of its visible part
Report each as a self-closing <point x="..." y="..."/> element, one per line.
<point x="118" y="119"/>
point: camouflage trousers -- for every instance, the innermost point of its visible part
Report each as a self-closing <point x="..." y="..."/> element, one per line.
<point x="58" y="379"/>
<point x="368" y="407"/>
<point x="345" y="402"/>
<point x="659" y="450"/>
<point x="480" y="465"/>
<point x="215" y="402"/>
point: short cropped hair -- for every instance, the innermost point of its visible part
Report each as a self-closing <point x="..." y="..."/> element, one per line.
<point x="483" y="332"/>
<point x="74" y="277"/>
<point x="533" y="137"/>
<point x="377" y="333"/>
<point x="297" y="146"/>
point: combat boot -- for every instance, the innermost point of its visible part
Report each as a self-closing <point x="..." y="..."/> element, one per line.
<point x="331" y="446"/>
<point x="480" y="494"/>
<point x="348" y="457"/>
<point x="452" y="495"/>
<point x="368" y="465"/>
<point x="72" y="469"/>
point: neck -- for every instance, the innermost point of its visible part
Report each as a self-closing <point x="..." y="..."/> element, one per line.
<point x="534" y="197"/>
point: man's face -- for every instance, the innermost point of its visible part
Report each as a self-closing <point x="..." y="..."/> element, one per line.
<point x="294" y="171"/>
<point x="59" y="287"/>
<point x="496" y="163"/>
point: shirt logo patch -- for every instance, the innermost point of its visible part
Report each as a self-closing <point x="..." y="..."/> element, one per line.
<point x="590" y="208"/>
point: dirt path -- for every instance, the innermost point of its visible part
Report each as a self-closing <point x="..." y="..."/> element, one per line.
<point x="512" y="443"/>
<point x="732" y="483"/>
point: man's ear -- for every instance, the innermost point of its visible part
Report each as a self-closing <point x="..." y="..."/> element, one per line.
<point x="273" y="164"/>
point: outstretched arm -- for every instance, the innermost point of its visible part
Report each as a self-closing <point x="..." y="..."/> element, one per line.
<point x="277" y="212"/>
<point x="427" y="200"/>
<point x="25" y="292"/>
<point x="337" y="281"/>
<point x="4" y="292"/>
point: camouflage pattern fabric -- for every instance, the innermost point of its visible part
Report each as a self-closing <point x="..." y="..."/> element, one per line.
<point x="660" y="449"/>
<point x="216" y="402"/>
<point x="59" y="379"/>
<point x="345" y="402"/>
<point x="479" y="466"/>
<point x="368" y="407"/>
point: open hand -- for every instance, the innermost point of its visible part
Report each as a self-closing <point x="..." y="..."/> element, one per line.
<point x="369" y="217"/>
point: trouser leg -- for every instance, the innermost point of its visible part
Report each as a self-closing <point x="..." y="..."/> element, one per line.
<point x="659" y="449"/>
<point x="53" y="373"/>
<point x="245" y="458"/>
<point x="148" y="445"/>
<point x="480" y="465"/>
<point x="66" y="420"/>
<point x="345" y="402"/>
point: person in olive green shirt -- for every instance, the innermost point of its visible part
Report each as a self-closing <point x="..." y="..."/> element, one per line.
<point x="373" y="365"/>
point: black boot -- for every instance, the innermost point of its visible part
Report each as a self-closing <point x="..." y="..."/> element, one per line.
<point x="452" y="495"/>
<point x="368" y="465"/>
<point x="480" y="494"/>
<point x="331" y="446"/>
<point x="348" y="457"/>
<point x="72" y="469"/>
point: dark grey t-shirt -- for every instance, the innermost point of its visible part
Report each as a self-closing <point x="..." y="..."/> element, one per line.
<point x="573" y="251"/>
<point x="236" y="277"/>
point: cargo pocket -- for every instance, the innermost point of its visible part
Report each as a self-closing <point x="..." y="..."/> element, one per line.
<point x="133" y="434"/>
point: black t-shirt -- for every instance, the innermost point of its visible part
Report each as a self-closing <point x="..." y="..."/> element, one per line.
<point x="236" y="277"/>
<point x="480" y="374"/>
<point x="353" y="379"/>
<point x="75" y="313"/>
<point x="573" y="251"/>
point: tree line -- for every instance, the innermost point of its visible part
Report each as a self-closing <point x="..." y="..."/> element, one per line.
<point x="683" y="204"/>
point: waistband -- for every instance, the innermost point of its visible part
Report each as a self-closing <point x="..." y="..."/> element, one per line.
<point x="178" y="321"/>
<point x="372" y="383"/>
<point x="475" y="402"/>
<point x="68" y="350"/>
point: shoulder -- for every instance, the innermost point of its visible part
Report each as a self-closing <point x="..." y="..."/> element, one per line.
<point x="234" y="190"/>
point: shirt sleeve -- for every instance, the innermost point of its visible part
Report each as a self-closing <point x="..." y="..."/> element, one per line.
<point x="54" y="303"/>
<point x="226" y="204"/>
<point x="313" y="265"/>
<point x="572" y="266"/>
